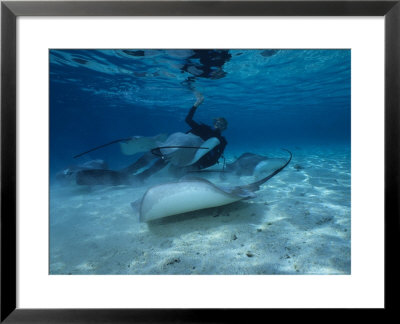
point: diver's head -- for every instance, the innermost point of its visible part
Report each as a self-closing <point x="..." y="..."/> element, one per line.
<point x="220" y="123"/>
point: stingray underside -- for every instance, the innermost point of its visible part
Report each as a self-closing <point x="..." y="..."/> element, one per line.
<point x="180" y="197"/>
<point x="194" y="194"/>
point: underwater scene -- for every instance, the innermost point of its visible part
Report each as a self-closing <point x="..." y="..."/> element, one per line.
<point x="200" y="161"/>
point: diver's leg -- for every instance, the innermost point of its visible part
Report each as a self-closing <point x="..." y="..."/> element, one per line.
<point x="157" y="166"/>
<point x="142" y="162"/>
<point x="101" y="177"/>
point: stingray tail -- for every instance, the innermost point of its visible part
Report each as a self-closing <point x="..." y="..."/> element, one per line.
<point x="256" y="185"/>
<point x="101" y="146"/>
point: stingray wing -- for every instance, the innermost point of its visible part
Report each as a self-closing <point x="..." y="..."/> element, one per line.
<point x="138" y="144"/>
<point x="182" y="149"/>
<point x="256" y="185"/>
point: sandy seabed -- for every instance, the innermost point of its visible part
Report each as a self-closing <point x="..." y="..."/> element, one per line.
<point x="299" y="223"/>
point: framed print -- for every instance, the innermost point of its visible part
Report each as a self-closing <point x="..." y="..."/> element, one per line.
<point x="171" y="160"/>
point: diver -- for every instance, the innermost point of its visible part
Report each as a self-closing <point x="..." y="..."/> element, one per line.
<point x="201" y="130"/>
<point x="206" y="64"/>
<point x="205" y="132"/>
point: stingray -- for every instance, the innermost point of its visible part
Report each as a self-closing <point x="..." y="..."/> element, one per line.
<point x="194" y="194"/>
<point x="132" y="145"/>
<point x="252" y="164"/>
<point x="138" y="144"/>
<point x="70" y="172"/>
<point x="182" y="149"/>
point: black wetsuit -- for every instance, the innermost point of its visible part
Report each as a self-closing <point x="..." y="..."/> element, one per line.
<point x="205" y="132"/>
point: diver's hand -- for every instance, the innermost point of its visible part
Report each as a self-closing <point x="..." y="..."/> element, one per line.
<point x="200" y="99"/>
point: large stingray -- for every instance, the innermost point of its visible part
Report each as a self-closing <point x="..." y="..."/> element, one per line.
<point x="193" y="194"/>
<point x="182" y="149"/>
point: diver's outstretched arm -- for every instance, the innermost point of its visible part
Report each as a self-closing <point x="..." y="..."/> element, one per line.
<point x="200" y="99"/>
<point x="189" y="118"/>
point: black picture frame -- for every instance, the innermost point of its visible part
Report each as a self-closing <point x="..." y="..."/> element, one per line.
<point x="10" y="10"/>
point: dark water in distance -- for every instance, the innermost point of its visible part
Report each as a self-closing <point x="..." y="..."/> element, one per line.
<point x="270" y="97"/>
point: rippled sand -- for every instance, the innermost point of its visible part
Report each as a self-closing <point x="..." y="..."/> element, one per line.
<point x="299" y="223"/>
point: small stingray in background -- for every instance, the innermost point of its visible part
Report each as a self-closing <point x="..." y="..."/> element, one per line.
<point x="69" y="174"/>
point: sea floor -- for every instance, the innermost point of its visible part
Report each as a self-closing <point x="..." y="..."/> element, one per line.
<point x="299" y="223"/>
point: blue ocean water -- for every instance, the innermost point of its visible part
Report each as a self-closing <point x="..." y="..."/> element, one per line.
<point x="272" y="99"/>
<point x="269" y="97"/>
